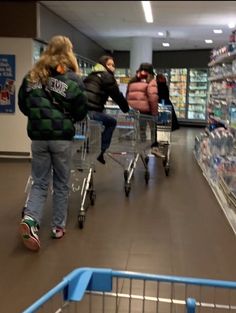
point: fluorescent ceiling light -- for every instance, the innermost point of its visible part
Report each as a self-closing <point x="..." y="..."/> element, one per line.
<point x="231" y="25"/>
<point x="217" y="31"/>
<point x="147" y="11"/>
<point x="160" y="33"/>
<point x="208" y="41"/>
<point x="165" y="44"/>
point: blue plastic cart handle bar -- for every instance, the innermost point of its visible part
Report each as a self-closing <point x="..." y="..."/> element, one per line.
<point x="98" y="279"/>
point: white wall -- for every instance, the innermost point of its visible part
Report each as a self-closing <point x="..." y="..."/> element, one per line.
<point x="49" y="24"/>
<point x="13" y="135"/>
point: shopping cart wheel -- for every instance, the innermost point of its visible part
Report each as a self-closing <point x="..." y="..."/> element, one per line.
<point x="147" y="176"/>
<point x="81" y="220"/>
<point x="167" y="170"/>
<point x="127" y="189"/>
<point x="92" y="197"/>
<point x="126" y="175"/>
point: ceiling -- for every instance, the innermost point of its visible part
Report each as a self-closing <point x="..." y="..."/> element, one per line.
<point x="185" y="24"/>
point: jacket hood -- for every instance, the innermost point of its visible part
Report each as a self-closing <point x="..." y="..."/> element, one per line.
<point x="99" y="68"/>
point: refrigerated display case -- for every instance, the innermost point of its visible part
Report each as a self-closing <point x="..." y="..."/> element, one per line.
<point x="178" y="90"/>
<point x="188" y="93"/>
<point x="197" y="94"/>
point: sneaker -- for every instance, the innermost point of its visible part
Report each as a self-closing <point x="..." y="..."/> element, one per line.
<point x="157" y="153"/>
<point x="29" y="229"/>
<point x="57" y="232"/>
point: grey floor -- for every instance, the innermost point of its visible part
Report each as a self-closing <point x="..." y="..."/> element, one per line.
<point x="173" y="226"/>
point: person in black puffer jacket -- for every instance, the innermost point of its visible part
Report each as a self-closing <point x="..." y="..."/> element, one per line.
<point x="99" y="85"/>
<point x="52" y="97"/>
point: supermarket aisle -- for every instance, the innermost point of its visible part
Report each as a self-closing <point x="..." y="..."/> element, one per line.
<point x="172" y="226"/>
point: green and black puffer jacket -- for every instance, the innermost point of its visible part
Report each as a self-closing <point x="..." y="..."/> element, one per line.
<point x="53" y="109"/>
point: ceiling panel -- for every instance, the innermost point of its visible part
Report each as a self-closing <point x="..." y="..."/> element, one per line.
<point x="113" y="23"/>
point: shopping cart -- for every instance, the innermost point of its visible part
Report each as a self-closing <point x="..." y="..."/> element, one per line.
<point x="127" y="146"/>
<point x="86" y="145"/>
<point x="105" y="290"/>
<point x="163" y="123"/>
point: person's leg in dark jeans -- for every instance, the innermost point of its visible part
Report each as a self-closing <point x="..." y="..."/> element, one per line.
<point x="109" y="124"/>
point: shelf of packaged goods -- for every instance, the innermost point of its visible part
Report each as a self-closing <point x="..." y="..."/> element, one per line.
<point x="224" y="58"/>
<point x="199" y="111"/>
<point x="219" y="97"/>
<point x="226" y="123"/>
<point x="218" y="120"/>
<point x="222" y="77"/>
<point x="197" y="118"/>
<point x="194" y="102"/>
<point x="203" y="95"/>
<point x="221" y="198"/>
<point x="198" y="88"/>
<point x="179" y="107"/>
<point x="173" y="86"/>
<point x="179" y="82"/>
<point x="199" y="104"/>
<point x="198" y="81"/>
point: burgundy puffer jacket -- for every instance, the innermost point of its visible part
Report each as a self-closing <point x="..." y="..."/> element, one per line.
<point x="143" y="96"/>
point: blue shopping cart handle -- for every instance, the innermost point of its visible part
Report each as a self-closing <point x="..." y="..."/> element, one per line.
<point x="78" y="281"/>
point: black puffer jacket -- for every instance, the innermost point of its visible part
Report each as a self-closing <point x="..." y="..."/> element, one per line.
<point x="101" y="84"/>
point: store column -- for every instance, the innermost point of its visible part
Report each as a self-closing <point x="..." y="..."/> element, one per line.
<point x="141" y="51"/>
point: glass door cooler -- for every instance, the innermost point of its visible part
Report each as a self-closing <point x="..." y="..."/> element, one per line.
<point x="178" y="89"/>
<point x="197" y="94"/>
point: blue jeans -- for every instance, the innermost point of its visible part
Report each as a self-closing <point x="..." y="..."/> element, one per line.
<point x="109" y="124"/>
<point x="50" y="159"/>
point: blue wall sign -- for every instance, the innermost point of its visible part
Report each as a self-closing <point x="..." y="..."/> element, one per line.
<point x="7" y="83"/>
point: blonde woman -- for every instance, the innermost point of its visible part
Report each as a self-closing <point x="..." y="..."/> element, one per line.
<point x="52" y="97"/>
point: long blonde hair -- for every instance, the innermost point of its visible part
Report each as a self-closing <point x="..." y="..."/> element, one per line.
<point x="58" y="54"/>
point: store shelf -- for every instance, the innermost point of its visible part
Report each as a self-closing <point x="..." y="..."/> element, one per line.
<point x="229" y="212"/>
<point x="222" y="77"/>
<point x="227" y="57"/>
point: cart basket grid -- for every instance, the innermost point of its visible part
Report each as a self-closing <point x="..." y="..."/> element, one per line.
<point x="106" y="290"/>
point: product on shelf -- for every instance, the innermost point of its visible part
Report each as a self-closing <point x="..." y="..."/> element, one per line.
<point x="215" y="148"/>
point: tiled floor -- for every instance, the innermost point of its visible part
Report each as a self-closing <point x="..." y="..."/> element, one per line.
<point x="173" y="226"/>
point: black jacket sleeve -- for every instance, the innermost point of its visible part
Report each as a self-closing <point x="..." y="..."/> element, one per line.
<point x="22" y="96"/>
<point x="112" y="89"/>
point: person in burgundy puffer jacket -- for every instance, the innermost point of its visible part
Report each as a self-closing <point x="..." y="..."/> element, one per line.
<point x="142" y="95"/>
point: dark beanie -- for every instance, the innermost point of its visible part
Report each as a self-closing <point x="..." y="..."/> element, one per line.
<point x="146" y="67"/>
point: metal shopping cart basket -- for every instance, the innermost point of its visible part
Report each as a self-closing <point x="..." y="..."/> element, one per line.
<point x="86" y="145"/>
<point x="125" y="148"/>
<point x="102" y="290"/>
<point x="163" y="123"/>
